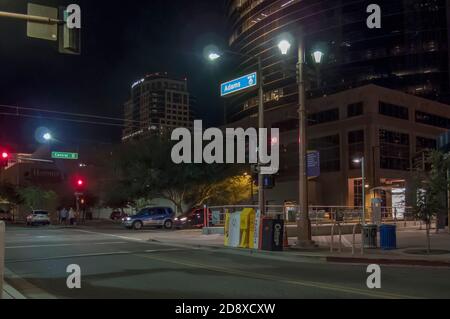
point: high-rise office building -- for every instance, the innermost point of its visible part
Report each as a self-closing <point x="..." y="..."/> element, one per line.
<point x="389" y="123"/>
<point x="158" y="104"/>
<point x="409" y="53"/>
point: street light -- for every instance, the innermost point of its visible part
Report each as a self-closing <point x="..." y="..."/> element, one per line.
<point x="284" y="46"/>
<point x="318" y="56"/>
<point x="304" y="235"/>
<point x="47" y="137"/>
<point x="362" y="162"/>
<point x="213" y="54"/>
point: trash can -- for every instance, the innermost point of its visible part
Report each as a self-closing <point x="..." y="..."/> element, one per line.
<point x="272" y="234"/>
<point x="388" y="237"/>
<point x="370" y="234"/>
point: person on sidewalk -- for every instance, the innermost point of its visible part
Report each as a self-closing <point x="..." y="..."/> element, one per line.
<point x="63" y="215"/>
<point x="72" y="216"/>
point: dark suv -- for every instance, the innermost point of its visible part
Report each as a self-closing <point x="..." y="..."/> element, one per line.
<point x="151" y="216"/>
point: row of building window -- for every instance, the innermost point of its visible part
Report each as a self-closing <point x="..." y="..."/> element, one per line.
<point x="394" y="150"/>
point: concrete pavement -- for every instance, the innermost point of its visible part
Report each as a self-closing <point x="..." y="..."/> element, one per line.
<point x="118" y="263"/>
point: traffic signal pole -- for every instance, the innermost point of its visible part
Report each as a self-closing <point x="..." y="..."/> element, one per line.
<point x="29" y="18"/>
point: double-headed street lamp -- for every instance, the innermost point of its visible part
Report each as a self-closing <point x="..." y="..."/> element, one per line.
<point x="304" y="236"/>
<point x="214" y="55"/>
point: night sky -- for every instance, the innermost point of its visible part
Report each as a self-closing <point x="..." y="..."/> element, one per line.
<point x="120" y="44"/>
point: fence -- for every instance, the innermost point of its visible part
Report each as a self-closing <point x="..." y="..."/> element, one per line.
<point x="319" y="215"/>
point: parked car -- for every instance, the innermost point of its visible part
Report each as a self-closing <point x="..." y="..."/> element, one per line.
<point x="38" y="217"/>
<point x="192" y="219"/>
<point x="151" y="216"/>
<point x="118" y="215"/>
<point x="5" y="216"/>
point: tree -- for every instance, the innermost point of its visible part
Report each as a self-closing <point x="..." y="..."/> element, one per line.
<point x="37" y="198"/>
<point x="9" y="193"/>
<point x="145" y="170"/>
<point x="430" y="191"/>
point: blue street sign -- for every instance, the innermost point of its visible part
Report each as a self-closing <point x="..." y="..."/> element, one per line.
<point x="443" y="142"/>
<point x="245" y="82"/>
<point x="313" y="164"/>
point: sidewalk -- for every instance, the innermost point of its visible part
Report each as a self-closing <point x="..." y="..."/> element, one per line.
<point x="411" y="251"/>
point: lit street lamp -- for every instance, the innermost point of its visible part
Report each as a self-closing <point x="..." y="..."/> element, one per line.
<point x="214" y="55"/>
<point x="47" y="137"/>
<point x="304" y="235"/>
<point x="364" y="186"/>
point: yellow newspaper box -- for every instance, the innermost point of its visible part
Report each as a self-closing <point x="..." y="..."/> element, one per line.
<point x="248" y="216"/>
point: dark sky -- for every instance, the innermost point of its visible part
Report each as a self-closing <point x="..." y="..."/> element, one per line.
<point x="121" y="42"/>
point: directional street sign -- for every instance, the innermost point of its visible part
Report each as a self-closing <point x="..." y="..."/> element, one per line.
<point x="242" y="83"/>
<point x="65" y="155"/>
<point x="313" y="164"/>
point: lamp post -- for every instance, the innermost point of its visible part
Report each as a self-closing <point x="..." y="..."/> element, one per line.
<point x="362" y="162"/>
<point x="304" y="235"/>
<point x="213" y="56"/>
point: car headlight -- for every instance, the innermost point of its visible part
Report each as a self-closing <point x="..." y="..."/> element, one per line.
<point x="184" y="219"/>
<point x="177" y="219"/>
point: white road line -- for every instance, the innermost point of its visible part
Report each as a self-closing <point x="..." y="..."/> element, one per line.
<point x="70" y="256"/>
<point x="65" y="245"/>
<point x="110" y="235"/>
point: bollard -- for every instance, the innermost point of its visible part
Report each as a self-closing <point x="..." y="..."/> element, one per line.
<point x="2" y="255"/>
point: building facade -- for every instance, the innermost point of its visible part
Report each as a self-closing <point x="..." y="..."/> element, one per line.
<point x="409" y="53"/>
<point x="158" y="104"/>
<point x="390" y="129"/>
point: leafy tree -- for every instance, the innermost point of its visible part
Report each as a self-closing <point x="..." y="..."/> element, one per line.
<point x="145" y="170"/>
<point x="37" y="198"/>
<point x="430" y="191"/>
<point x="9" y="193"/>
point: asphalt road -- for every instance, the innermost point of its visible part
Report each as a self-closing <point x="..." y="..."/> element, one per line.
<point x="115" y="266"/>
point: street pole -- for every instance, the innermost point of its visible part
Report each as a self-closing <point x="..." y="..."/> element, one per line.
<point x="448" y="199"/>
<point x="304" y="237"/>
<point x="261" y="199"/>
<point x="2" y="255"/>
<point x="363" y="192"/>
<point x="29" y="18"/>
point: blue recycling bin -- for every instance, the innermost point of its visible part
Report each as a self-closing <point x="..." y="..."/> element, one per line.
<point x="388" y="237"/>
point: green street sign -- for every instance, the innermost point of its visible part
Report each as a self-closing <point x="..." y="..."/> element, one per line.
<point x="64" y="155"/>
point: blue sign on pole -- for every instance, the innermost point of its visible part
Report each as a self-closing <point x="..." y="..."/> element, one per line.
<point x="242" y="83"/>
<point x="313" y="164"/>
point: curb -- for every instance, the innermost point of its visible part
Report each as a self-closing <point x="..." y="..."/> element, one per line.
<point x="381" y="261"/>
<point x="10" y="292"/>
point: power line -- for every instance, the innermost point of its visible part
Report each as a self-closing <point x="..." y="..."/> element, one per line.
<point x="63" y="119"/>
<point x="69" y="113"/>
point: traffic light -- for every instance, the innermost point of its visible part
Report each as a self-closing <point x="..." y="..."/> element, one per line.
<point x="4" y="160"/>
<point x="80" y="184"/>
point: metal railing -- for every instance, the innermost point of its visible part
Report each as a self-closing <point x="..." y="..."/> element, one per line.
<point x="319" y="215"/>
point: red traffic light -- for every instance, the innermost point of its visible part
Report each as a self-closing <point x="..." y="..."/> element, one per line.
<point x="80" y="182"/>
<point x="5" y="155"/>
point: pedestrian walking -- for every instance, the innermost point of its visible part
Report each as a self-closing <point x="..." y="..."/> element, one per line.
<point x="72" y="216"/>
<point x="64" y="214"/>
